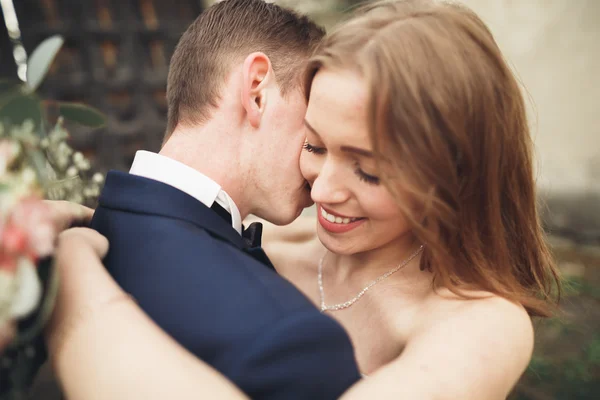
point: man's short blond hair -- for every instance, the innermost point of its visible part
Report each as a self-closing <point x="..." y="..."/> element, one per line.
<point x="224" y="34"/>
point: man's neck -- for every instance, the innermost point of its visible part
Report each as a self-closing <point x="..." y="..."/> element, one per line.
<point x="214" y="154"/>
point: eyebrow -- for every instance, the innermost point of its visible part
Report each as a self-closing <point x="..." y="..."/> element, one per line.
<point x="357" y="150"/>
<point x="310" y="128"/>
<point x="346" y="149"/>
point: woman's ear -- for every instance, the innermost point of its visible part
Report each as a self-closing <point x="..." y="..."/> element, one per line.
<point x="257" y="74"/>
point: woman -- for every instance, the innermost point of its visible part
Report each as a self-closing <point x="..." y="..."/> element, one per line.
<point x="419" y="159"/>
<point x="430" y="251"/>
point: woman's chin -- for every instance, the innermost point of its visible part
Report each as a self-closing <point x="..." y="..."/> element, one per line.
<point x="342" y="244"/>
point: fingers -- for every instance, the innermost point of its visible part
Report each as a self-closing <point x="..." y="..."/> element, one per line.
<point x="83" y="278"/>
<point x="72" y="240"/>
<point x="85" y="284"/>
<point x="66" y="214"/>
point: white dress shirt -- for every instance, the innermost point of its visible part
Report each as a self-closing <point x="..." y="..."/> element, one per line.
<point x="188" y="180"/>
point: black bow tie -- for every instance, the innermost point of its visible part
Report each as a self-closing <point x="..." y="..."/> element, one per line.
<point x="252" y="236"/>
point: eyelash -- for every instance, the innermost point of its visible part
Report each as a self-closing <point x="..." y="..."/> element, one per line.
<point x="362" y="175"/>
<point x="313" y="149"/>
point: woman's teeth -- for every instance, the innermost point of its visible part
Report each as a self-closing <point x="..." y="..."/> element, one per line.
<point x="336" y="220"/>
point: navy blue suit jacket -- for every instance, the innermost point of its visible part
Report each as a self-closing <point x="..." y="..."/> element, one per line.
<point x="187" y="268"/>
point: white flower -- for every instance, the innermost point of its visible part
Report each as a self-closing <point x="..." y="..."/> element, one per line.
<point x="8" y="288"/>
<point x="29" y="291"/>
<point x="9" y="151"/>
<point x="28" y="126"/>
<point x="98" y="178"/>
<point x="28" y="176"/>
<point x="78" y="157"/>
<point x="72" y="172"/>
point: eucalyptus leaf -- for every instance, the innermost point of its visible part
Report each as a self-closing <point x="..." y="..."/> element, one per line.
<point x="41" y="59"/>
<point x="20" y="108"/>
<point x="8" y="90"/>
<point x="82" y="114"/>
<point x="7" y="85"/>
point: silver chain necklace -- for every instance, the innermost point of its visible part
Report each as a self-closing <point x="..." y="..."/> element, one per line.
<point x="353" y="300"/>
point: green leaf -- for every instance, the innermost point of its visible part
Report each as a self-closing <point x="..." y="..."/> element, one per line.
<point x="20" y="108"/>
<point x="82" y="114"/>
<point x="7" y="85"/>
<point x="8" y="90"/>
<point x="41" y="59"/>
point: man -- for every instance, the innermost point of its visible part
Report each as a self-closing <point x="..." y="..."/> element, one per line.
<point x="234" y="136"/>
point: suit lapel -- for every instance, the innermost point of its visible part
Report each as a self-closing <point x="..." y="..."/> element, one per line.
<point x="132" y="193"/>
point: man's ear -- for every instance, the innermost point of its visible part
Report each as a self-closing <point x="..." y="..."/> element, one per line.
<point x="257" y="73"/>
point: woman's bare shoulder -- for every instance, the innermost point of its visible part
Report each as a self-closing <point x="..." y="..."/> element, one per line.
<point x="476" y="333"/>
<point x="460" y="349"/>
<point x="478" y="310"/>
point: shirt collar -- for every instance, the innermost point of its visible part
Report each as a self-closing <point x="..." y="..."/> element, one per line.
<point x="185" y="178"/>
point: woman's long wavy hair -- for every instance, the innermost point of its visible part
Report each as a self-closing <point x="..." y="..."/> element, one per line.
<point x="448" y="125"/>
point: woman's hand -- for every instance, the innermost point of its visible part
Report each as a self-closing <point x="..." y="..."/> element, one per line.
<point x="66" y="214"/>
<point x="85" y="285"/>
<point x="103" y="346"/>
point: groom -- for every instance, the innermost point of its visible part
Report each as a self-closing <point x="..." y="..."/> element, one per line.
<point x="174" y="222"/>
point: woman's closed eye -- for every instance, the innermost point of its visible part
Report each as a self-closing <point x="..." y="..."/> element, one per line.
<point x="363" y="176"/>
<point x="314" y="149"/>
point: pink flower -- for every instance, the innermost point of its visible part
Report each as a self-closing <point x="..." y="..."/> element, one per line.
<point x="14" y="240"/>
<point x="29" y="229"/>
<point x="8" y="262"/>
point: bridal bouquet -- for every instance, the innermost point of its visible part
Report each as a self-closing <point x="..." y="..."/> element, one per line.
<point x="36" y="162"/>
<point x="27" y="232"/>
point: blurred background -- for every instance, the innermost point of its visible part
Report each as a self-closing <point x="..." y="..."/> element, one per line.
<point x="116" y="58"/>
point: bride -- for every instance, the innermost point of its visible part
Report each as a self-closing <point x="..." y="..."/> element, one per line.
<point x="427" y="246"/>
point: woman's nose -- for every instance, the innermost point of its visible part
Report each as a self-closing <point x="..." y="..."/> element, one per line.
<point x="328" y="186"/>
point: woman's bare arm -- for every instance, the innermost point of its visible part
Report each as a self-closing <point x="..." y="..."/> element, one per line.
<point x="478" y="352"/>
<point x="103" y="346"/>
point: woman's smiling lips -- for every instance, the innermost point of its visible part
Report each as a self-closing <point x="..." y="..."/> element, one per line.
<point x="336" y="223"/>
